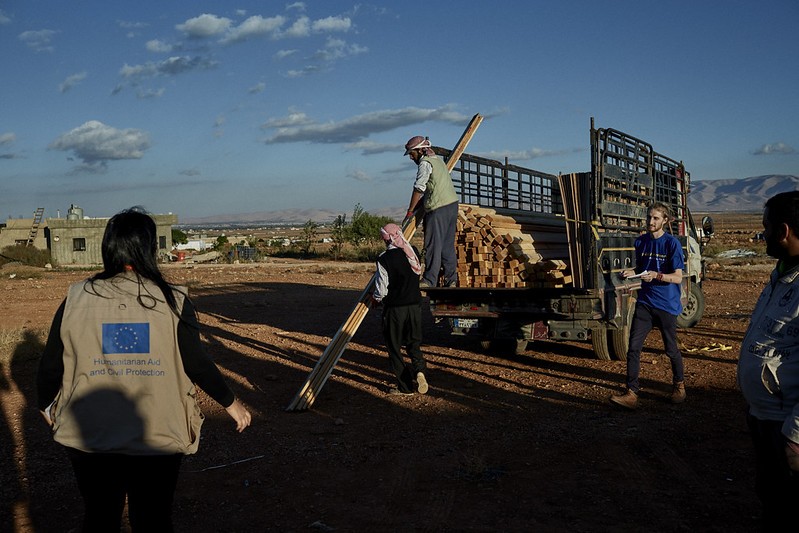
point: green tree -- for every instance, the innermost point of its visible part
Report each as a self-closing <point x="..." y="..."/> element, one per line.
<point x="309" y="235"/>
<point x="221" y="241"/>
<point x="339" y="236"/>
<point x="179" y="237"/>
<point x="364" y="231"/>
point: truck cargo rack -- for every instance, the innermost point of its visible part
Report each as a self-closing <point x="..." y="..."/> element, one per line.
<point x="490" y="183"/>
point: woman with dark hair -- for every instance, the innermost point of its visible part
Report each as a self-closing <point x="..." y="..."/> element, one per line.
<point x="116" y="381"/>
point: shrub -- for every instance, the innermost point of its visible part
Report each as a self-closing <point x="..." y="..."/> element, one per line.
<point x="27" y="255"/>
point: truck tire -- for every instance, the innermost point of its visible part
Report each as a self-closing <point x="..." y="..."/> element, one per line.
<point x="694" y="309"/>
<point x="620" y="338"/>
<point x="599" y="340"/>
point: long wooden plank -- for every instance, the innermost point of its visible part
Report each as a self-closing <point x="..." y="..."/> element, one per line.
<point x="309" y="391"/>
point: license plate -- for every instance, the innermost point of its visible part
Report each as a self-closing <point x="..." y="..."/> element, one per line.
<point x="465" y="323"/>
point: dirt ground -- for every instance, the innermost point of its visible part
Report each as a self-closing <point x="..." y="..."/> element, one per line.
<point x="500" y="443"/>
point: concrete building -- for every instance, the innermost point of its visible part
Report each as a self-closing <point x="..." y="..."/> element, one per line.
<point x="77" y="240"/>
<point x="17" y="230"/>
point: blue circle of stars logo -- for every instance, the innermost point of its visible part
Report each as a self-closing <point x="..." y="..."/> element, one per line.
<point x="126" y="339"/>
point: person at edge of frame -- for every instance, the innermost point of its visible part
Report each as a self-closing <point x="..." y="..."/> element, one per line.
<point x="768" y="368"/>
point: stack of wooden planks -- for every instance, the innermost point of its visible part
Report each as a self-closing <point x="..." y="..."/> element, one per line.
<point x="497" y="250"/>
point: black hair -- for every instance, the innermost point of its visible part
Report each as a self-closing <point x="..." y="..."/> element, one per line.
<point x="130" y="242"/>
<point x="783" y="208"/>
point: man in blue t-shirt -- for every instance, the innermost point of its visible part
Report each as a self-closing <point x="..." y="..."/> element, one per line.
<point x="659" y="264"/>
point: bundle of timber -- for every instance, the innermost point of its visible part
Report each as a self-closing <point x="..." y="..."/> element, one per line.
<point x="497" y="250"/>
<point x="575" y="189"/>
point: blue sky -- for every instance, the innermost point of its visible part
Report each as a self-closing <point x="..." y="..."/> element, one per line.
<point x="206" y="108"/>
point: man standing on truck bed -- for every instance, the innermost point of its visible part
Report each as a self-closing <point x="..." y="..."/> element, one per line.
<point x="659" y="264"/>
<point x="768" y="368"/>
<point x="434" y="183"/>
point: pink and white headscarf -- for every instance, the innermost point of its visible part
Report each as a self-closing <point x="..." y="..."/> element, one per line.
<point x="392" y="234"/>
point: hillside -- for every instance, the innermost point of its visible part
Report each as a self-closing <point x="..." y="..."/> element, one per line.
<point x="741" y="195"/>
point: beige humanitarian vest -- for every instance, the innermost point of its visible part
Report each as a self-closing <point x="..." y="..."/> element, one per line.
<point x="124" y="388"/>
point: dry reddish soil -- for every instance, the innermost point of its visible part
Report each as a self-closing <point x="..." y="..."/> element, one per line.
<point x="500" y="442"/>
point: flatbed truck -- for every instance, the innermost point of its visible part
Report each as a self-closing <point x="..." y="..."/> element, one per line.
<point x="601" y="213"/>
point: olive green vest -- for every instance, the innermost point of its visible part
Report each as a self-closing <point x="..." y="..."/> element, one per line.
<point x="439" y="191"/>
<point x="124" y="388"/>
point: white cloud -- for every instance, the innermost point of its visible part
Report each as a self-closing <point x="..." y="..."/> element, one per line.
<point x="7" y="138"/>
<point x="298" y="73"/>
<point x="527" y="155"/>
<point x="371" y="147"/>
<point x="338" y="49"/>
<point x="4" y="19"/>
<point x="775" y="149"/>
<point x="71" y="81"/>
<point x="281" y="54"/>
<point x="255" y="26"/>
<point x="332" y="24"/>
<point x="204" y="26"/>
<point x="158" y="46"/>
<point x="360" y="175"/>
<point x="357" y="128"/>
<point x="257" y="88"/>
<point x="292" y="120"/>
<point x="131" y="25"/>
<point x="300" y="28"/>
<point x="95" y="143"/>
<point x="299" y="6"/>
<point x="148" y="94"/>
<point x="168" y="67"/>
<point x="38" y="40"/>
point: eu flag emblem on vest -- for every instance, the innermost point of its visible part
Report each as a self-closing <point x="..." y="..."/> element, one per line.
<point x="126" y="338"/>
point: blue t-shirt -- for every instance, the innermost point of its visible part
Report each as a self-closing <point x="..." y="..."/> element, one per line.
<point x="663" y="254"/>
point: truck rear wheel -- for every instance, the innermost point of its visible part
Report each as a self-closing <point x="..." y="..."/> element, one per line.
<point x="620" y="338"/>
<point x="599" y="340"/>
<point x="694" y="309"/>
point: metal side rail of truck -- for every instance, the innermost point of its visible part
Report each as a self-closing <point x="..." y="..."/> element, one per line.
<point x="596" y="216"/>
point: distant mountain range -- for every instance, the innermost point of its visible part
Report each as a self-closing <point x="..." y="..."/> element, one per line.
<point x="741" y="195"/>
<point x="283" y="217"/>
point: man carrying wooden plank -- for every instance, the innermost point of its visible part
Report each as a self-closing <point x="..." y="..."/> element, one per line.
<point x="434" y="184"/>
<point x="397" y="288"/>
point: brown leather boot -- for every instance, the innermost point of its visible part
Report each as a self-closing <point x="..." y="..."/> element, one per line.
<point x="628" y="400"/>
<point x="678" y="392"/>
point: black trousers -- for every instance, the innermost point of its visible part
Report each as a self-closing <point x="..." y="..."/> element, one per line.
<point x="402" y="327"/>
<point x="776" y="485"/>
<point x="645" y="319"/>
<point x="105" y="479"/>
